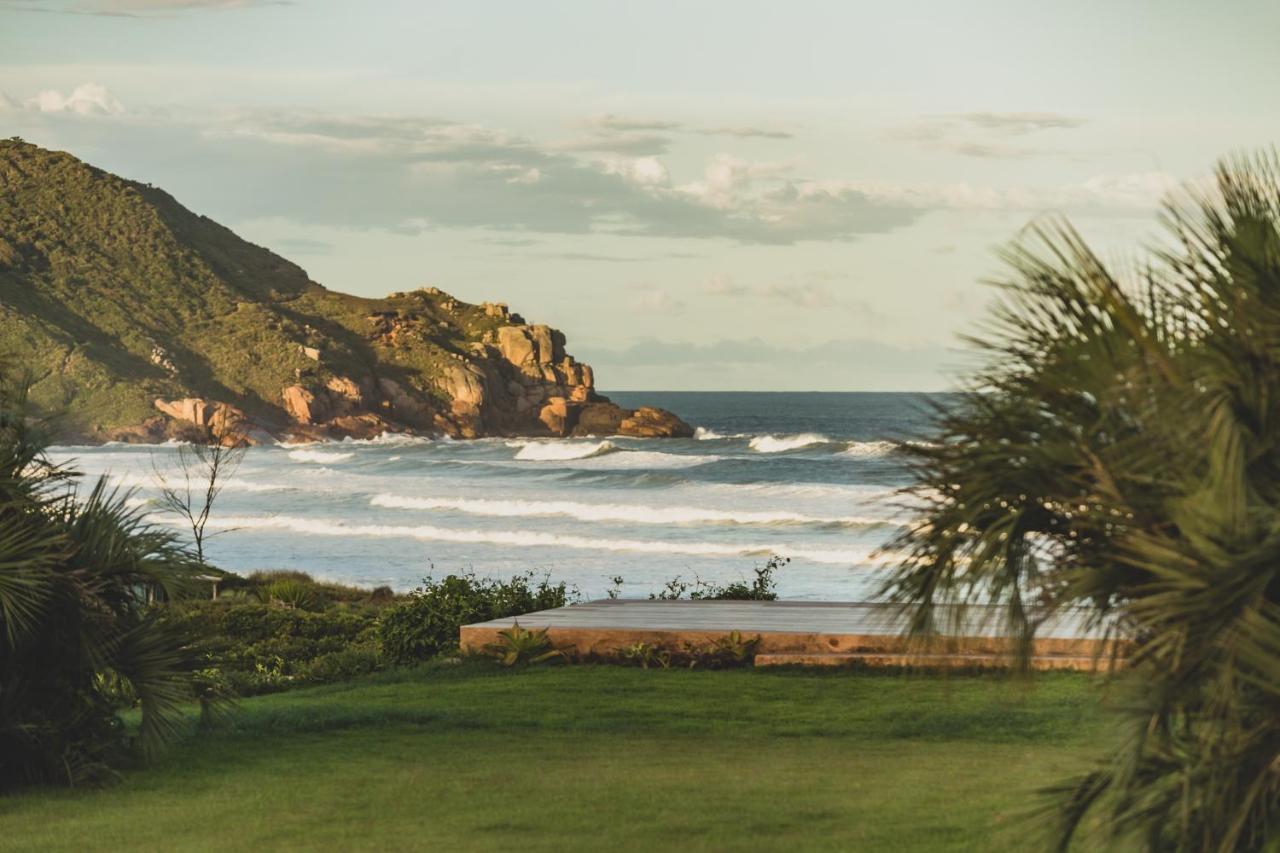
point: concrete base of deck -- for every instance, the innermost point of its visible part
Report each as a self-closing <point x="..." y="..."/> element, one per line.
<point x="805" y="633"/>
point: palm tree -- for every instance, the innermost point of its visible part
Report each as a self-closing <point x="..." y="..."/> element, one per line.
<point x="78" y="641"/>
<point x="1120" y="451"/>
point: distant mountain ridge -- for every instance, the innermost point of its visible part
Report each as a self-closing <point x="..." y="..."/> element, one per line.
<point x="142" y="321"/>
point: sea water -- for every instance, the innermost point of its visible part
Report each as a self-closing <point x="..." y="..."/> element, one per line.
<point x="813" y="477"/>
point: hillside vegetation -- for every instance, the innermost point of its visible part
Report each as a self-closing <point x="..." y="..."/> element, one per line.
<point x="116" y="296"/>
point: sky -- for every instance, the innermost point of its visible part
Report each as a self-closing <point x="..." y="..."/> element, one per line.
<point x="703" y="195"/>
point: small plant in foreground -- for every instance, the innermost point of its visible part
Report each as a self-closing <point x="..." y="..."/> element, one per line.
<point x="729" y="651"/>
<point x="518" y="645"/>
<point x="645" y="655"/>
<point x="763" y="587"/>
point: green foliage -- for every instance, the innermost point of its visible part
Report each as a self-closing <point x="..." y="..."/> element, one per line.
<point x="427" y="623"/>
<point x="727" y="652"/>
<point x="290" y="592"/>
<point x="256" y="647"/>
<point x="645" y="655"/>
<point x="762" y="587"/>
<point x="78" y="642"/>
<point x="115" y="294"/>
<point x="1121" y="453"/>
<point x="516" y="645"/>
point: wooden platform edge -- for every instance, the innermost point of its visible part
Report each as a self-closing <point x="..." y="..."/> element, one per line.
<point x="816" y="649"/>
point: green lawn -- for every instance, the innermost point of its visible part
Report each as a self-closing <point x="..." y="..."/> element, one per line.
<point x="467" y="757"/>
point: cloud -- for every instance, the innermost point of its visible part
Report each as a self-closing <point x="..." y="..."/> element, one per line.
<point x="721" y="284"/>
<point x="626" y="124"/>
<point x="134" y="8"/>
<point x="984" y="135"/>
<point x="800" y="295"/>
<point x="411" y="173"/>
<point x="656" y="301"/>
<point x="301" y="246"/>
<point x="633" y="145"/>
<point x="807" y="292"/>
<point x="746" y="132"/>
<point x="610" y="123"/>
<point x="755" y="364"/>
<point x="1017" y="124"/>
<point x="85" y="99"/>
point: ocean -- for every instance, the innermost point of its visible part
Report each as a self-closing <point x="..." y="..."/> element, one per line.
<point x="809" y="476"/>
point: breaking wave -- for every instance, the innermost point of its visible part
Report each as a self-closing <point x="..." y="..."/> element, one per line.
<point x="321" y="456"/>
<point x="556" y="451"/>
<point x="630" y="513"/>
<point x="783" y="443"/>
<point x="525" y="538"/>
<point x="863" y="449"/>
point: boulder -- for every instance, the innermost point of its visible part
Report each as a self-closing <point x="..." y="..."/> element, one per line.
<point x="362" y="426"/>
<point x="543" y="349"/>
<point x="464" y="383"/>
<point x="206" y="418"/>
<point x="649" y="422"/>
<point x="192" y="409"/>
<point x="517" y="347"/>
<point x="556" y="416"/>
<point x="405" y="405"/>
<point x="303" y="405"/>
<point x="599" y="419"/>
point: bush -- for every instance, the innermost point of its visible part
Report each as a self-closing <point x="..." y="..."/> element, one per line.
<point x="261" y="648"/>
<point x="761" y="588"/>
<point x="427" y="623"/>
<point x="78" y="641"/>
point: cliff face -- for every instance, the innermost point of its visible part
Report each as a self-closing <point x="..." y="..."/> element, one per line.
<point x="143" y="321"/>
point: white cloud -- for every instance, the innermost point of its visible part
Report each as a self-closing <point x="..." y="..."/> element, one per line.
<point x="721" y="284"/>
<point x="802" y="295"/>
<point x="648" y="172"/>
<point x="1140" y="191"/>
<point x="656" y="301"/>
<point x="85" y="99"/>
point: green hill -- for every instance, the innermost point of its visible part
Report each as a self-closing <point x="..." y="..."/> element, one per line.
<point x="141" y="320"/>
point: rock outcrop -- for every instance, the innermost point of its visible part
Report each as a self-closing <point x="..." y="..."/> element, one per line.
<point x="145" y="321"/>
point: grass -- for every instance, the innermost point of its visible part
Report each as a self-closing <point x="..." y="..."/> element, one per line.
<point x="466" y="757"/>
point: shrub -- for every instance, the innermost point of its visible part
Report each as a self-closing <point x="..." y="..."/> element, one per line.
<point x="518" y="645"/>
<point x="78" y="641"/>
<point x="762" y="587"/>
<point x="1117" y="457"/>
<point x="261" y="648"/>
<point x="291" y="593"/>
<point x="427" y="623"/>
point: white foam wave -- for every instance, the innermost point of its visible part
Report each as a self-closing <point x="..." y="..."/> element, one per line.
<point x="526" y="539"/>
<point x="863" y="449"/>
<point x="630" y="513"/>
<point x="390" y="439"/>
<point x="782" y="443"/>
<point x="321" y="456"/>
<point x="559" y="451"/>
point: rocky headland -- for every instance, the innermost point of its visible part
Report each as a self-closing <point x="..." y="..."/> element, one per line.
<point x="139" y="320"/>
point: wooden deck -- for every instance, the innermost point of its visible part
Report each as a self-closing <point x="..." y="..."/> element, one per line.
<point x="810" y="633"/>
